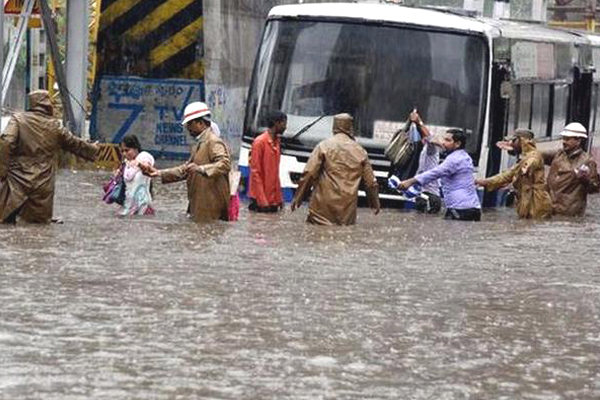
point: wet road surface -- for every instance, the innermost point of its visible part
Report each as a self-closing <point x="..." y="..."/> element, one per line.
<point x="400" y="306"/>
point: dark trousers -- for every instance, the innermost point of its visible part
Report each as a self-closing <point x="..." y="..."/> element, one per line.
<point x="430" y="205"/>
<point x="468" y="214"/>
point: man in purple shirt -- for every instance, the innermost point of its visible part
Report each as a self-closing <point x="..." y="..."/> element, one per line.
<point x="456" y="174"/>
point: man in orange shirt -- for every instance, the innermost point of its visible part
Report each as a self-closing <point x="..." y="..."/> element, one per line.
<point x="265" y="187"/>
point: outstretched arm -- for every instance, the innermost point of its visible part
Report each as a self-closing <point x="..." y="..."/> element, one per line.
<point x="500" y="180"/>
<point x="77" y="146"/>
<point x="371" y="187"/>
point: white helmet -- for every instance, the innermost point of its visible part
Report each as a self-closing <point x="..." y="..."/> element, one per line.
<point x="194" y="110"/>
<point x="574" y="129"/>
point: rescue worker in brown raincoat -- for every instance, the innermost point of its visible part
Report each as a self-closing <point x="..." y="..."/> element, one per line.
<point x="28" y="149"/>
<point x="334" y="172"/>
<point x="573" y="173"/>
<point x="207" y="170"/>
<point x="527" y="177"/>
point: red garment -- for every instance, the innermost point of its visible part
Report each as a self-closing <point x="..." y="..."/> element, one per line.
<point x="234" y="207"/>
<point x="265" y="186"/>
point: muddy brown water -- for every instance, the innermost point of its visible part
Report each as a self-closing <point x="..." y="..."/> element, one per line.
<point x="400" y="306"/>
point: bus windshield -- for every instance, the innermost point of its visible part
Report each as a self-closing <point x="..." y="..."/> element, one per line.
<point x="378" y="74"/>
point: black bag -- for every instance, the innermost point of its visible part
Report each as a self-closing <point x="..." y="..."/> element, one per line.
<point x="401" y="148"/>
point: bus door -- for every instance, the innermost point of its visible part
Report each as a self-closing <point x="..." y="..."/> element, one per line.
<point x="499" y="108"/>
<point x="581" y="98"/>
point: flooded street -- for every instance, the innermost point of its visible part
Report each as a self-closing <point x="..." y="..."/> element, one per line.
<point x="400" y="306"/>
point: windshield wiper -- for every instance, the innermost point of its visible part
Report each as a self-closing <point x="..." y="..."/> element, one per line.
<point x="306" y="127"/>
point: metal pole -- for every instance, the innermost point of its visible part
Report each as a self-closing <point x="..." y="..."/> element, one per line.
<point x="50" y="26"/>
<point x="27" y="67"/>
<point x="1" y="49"/>
<point x="13" y="53"/>
<point x="77" y="59"/>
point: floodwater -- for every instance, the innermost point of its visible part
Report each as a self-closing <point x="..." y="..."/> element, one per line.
<point x="400" y="306"/>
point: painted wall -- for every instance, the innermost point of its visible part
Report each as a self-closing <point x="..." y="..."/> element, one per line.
<point x="149" y="108"/>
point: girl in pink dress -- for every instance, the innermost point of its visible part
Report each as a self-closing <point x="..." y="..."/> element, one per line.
<point x="138" y="197"/>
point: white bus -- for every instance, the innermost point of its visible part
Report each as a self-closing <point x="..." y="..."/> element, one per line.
<point x="379" y="61"/>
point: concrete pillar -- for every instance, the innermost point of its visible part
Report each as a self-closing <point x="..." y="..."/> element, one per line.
<point x="77" y="60"/>
<point x="34" y="63"/>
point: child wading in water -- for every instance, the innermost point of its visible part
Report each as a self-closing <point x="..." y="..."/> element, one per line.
<point x="138" y="197"/>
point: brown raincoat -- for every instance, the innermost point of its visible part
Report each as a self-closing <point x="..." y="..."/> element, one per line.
<point x="335" y="170"/>
<point x="569" y="193"/>
<point x="28" y="147"/>
<point x="527" y="177"/>
<point x="208" y="195"/>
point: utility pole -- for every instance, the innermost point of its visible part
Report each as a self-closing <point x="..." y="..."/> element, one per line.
<point x="15" y="46"/>
<point x="50" y="26"/>
<point x="77" y="60"/>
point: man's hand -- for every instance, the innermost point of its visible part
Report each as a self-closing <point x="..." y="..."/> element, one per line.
<point x="294" y="205"/>
<point x="201" y="169"/>
<point x="504" y="145"/>
<point x="481" y="182"/>
<point x="583" y="173"/>
<point x="149" y="170"/>
<point x="405" y="184"/>
<point x="415" y="117"/>
<point x="191" y="168"/>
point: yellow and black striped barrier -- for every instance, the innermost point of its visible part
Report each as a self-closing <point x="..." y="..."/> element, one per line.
<point x="151" y="38"/>
<point x="108" y="157"/>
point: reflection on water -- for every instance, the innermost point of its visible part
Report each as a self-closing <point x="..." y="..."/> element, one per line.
<point x="401" y="306"/>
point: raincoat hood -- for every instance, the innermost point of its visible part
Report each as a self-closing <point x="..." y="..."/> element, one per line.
<point x="39" y="100"/>
<point x="343" y="123"/>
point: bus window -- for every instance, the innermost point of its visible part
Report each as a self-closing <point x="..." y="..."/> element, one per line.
<point x="594" y="108"/>
<point x="524" y="119"/>
<point x="513" y="110"/>
<point x="561" y="104"/>
<point x="540" y="108"/>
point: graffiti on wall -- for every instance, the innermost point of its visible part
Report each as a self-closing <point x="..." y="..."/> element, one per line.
<point x="228" y="107"/>
<point x="148" y="108"/>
